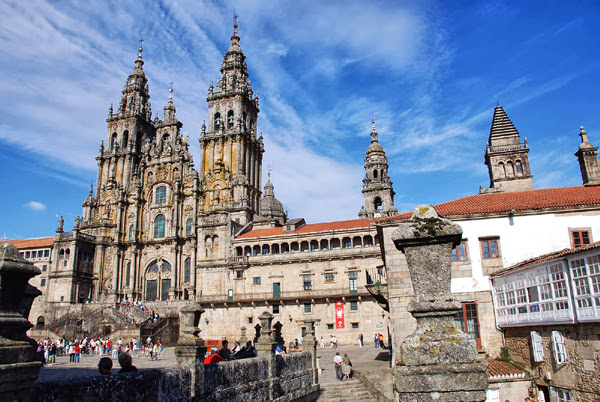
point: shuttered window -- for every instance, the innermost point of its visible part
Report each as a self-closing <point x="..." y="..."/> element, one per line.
<point x="537" y="347"/>
<point x="558" y="348"/>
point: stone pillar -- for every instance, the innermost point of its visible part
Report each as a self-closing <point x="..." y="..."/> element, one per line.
<point x="190" y="349"/>
<point x="265" y="347"/>
<point x="309" y="344"/>
<point x="243" y="338"/>
<point x="19" y="363"/>
<point x="438" y="361"/>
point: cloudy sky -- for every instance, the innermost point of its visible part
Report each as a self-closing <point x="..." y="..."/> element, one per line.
<point x="431" y="73"/>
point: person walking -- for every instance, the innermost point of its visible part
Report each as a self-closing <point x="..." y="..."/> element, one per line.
<point x="337" y="360"/>
<point x="322" y="343"/>
<point x="346" y="367"/>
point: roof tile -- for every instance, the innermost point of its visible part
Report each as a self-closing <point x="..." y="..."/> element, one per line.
<point x="31" y="243"/>
<point x="315" y="227"/>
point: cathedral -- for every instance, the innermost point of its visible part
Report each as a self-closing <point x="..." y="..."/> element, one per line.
<point x="160" y="231"/>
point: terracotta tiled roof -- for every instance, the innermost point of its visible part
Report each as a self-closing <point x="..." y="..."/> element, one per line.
<point x="315" y="227"/>
<point x="546" y="257"/>
<point x="521" y="201"/>
<point x="31" y="243"/>
<point x="499" y="370"/>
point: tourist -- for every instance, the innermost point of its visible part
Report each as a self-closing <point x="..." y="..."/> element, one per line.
<point x="126" y="363"/>
<point x="347" y="366"/>
<point x="331" y="341"/>
<point x="105" y="365"/>
<point x="115" y="352"/>
<point x="376" y="339"/>
<point x="225" y="353"/>
<point x="335" y="345"/>
<point x="236" y="348"/>
<point x="214" y="356"/>
<point x="381" y="344"/>
<point x="155" y="350"/>
<point x="337" y="360"/>
<point x="77" y="350"/>
<point x="322" y="343"/>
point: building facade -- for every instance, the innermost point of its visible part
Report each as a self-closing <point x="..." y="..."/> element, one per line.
<point x="549" y="310"/>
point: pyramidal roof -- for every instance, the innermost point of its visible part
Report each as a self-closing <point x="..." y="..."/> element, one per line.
<point x="501" y="125"/>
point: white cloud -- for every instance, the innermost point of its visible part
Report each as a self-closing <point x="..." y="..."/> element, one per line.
<point x="35" y="206"/>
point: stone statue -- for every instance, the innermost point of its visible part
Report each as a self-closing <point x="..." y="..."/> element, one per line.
<point x="61" y="223"/>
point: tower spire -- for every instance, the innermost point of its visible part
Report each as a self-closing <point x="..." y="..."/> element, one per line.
<point x="506" y="157"/>
<point x="587" y="154"/>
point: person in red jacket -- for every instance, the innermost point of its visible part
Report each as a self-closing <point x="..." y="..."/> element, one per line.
<point x="214" y="356"/>
<point x="77" y="351"/>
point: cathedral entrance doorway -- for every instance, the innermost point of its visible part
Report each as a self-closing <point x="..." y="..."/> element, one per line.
<point x="158" y="281"/>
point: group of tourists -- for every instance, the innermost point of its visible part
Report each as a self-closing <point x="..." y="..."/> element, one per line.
<point x="125" y="361"/>
<point x="49" y="348"/>
<point x="378" y="339"/>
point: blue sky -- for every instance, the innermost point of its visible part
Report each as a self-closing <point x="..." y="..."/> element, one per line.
<point x="431" y="72"/>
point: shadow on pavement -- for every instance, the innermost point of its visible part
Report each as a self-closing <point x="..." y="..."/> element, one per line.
<point x="383" y="356"/>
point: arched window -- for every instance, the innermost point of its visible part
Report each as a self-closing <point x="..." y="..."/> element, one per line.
<point x="230" y="119"/>
<point x="357" y="241"/>
<point x="324" y="244"/>
<point x="131" y="233"/>
<point x="215" y="243"/>
<point x="519" y="168"/>
<point x="375" y="174"/>
<point x="160" y="195"/>
<point x="368" y="241"/>
<point x="274" y="248"/>
<point x="510" y="169"/>
<point x="41" y="321"/>
<point x="166" y="137"/>
<point x="314" y="245"/>
<point x="255" y="250"/>
<point x="304" y="246"/>
<point x="158" y="281"/>
<point x="244" y="119"/>
<point x="377" y="203"/>
<point x="188" y="226"/>
<point x="347" y="242"/>
<point x="502" y="169"/>
<point x="128" y="274"/>
<point x="159" y="227"/>
<point x="125" y="139"/>
<point x="113" y="141"/>
<point x="265" y="249"/>
<point x="217" y="121"/>
<point x="187" y="268"/>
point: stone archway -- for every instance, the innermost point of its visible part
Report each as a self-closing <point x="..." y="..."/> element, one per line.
<point x="158" y="281"/>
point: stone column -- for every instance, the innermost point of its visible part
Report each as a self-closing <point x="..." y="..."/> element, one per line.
<point x="19" y="363"/>
<point x="438" y="361"/>
<point x="190" y="349"/>
<point x="265" y="347"/>
<point x="309" y="344"/>
<point x="243" y="338"/>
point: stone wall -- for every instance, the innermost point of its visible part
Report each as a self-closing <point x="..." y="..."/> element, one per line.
<point x="147" y="385"/>
<point x="581" y="374"/>
<point x="238" y="380"/>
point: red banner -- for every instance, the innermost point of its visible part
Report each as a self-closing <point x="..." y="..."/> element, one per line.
<point x="339" y="314"/>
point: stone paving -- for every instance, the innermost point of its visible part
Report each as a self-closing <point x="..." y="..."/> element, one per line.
<point x="371" y="362"/>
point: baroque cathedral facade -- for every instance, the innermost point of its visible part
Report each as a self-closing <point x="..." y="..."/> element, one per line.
<point x="158" y="230"/>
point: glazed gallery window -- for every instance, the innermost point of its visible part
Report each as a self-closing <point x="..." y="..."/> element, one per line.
<point x="354" y="305"/>
<point x="307" y="308"/>
<point x="188" y="226"/>
<point x="489" y="248"/>
<point x="467" y="320"/>
<point x="187" y="269"/>
<point x="329" y="277"/>
<point x="160" y="196"/>
<point x="459" y="253"/>
<point x="159" y="227"/>
<point x="563" y="395"/>
<point x="580" y="238"/>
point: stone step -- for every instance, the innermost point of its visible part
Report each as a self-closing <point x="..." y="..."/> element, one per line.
<point x="347" y="390"/>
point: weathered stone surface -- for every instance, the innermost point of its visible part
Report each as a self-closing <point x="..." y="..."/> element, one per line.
<point x="19" y="365"/>
<point x="439" y="362"/>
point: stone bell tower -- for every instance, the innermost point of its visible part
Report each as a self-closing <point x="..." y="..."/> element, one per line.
<point x="230" y="169"/>
<point x="587" y="154"/>
<point x="377" y="185"/>
<point x="506" y="157"/>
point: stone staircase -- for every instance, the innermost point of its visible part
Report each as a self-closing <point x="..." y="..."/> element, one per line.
<point x="347" y="390"/>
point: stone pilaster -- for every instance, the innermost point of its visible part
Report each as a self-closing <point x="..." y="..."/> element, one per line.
<point x="190" y="349"/>
<point x="19" y="363"/>
<point x="309" y="344"/>
<point x="439" y="362"/>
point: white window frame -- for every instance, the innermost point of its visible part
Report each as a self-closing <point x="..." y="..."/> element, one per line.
<point x="537" y="347"/>
<point x="563" y="395"/>
<point x="558" y="348"/>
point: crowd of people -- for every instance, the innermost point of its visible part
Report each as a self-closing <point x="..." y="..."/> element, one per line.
<point x="49" y="348"/>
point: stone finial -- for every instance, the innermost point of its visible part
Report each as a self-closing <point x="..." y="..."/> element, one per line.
<point x="61" y="223"/>
<point x="584" y="138"/>
<point x="189" y="317"/>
